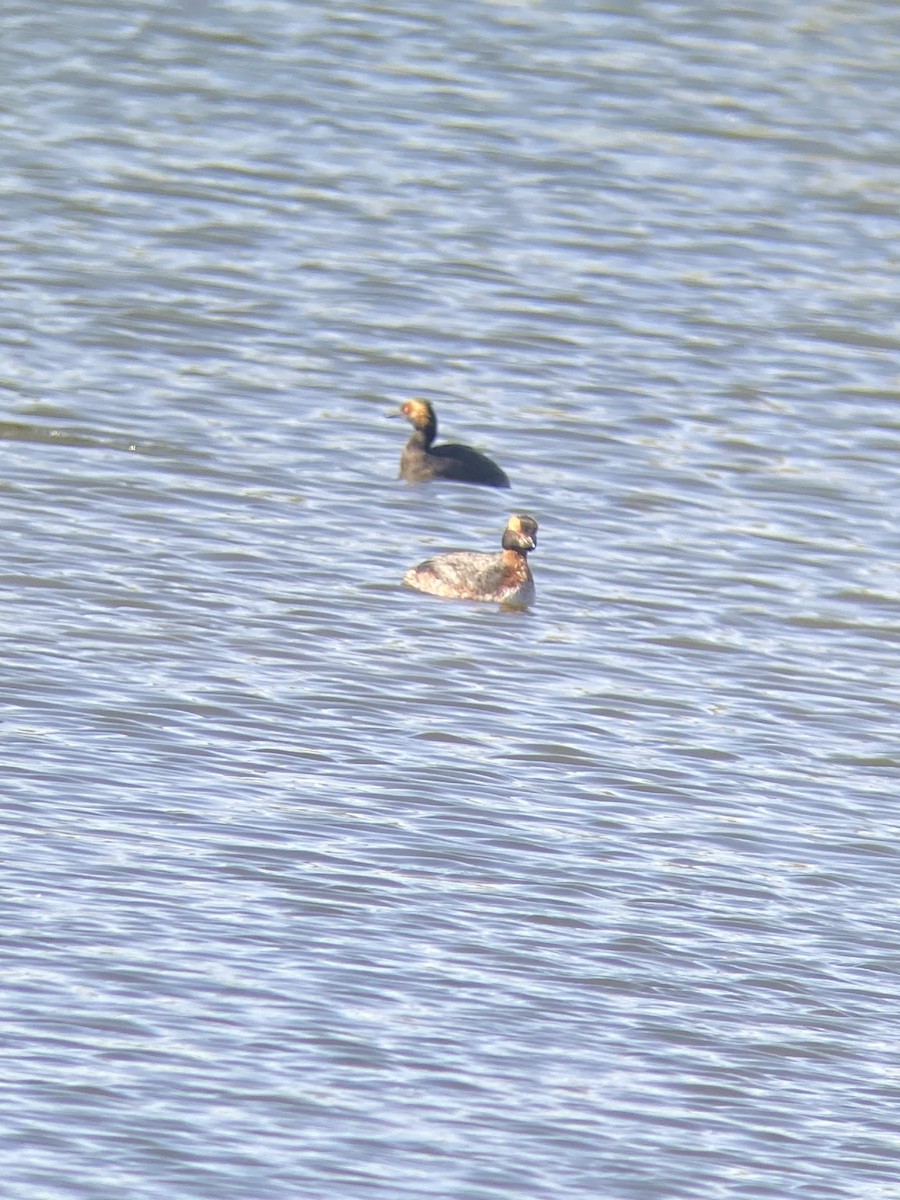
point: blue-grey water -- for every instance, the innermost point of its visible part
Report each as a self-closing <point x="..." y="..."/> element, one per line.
<point x="315" y="888"/>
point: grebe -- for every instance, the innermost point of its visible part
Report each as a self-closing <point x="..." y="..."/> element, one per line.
<point x="421" y="460"/>
<point x="504" y="578"/>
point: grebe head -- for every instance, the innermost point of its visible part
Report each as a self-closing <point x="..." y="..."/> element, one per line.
<point x="419" y="413"/>
<point x="520" y="533"/>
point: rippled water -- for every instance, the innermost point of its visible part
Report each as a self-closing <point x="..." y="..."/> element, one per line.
<point x="316" y="887"/>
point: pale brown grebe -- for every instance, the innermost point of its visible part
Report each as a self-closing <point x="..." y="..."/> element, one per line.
<point x="503" y="578"/>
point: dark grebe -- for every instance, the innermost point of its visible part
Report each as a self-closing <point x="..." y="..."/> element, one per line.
<point x="421" y="460"/>
<point x="504" y="578"/>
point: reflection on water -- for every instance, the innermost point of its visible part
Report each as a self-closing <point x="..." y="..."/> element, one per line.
<point x="315" y="889"/>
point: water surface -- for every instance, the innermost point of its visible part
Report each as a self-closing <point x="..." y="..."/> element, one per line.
<point x="316" y="887"/>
